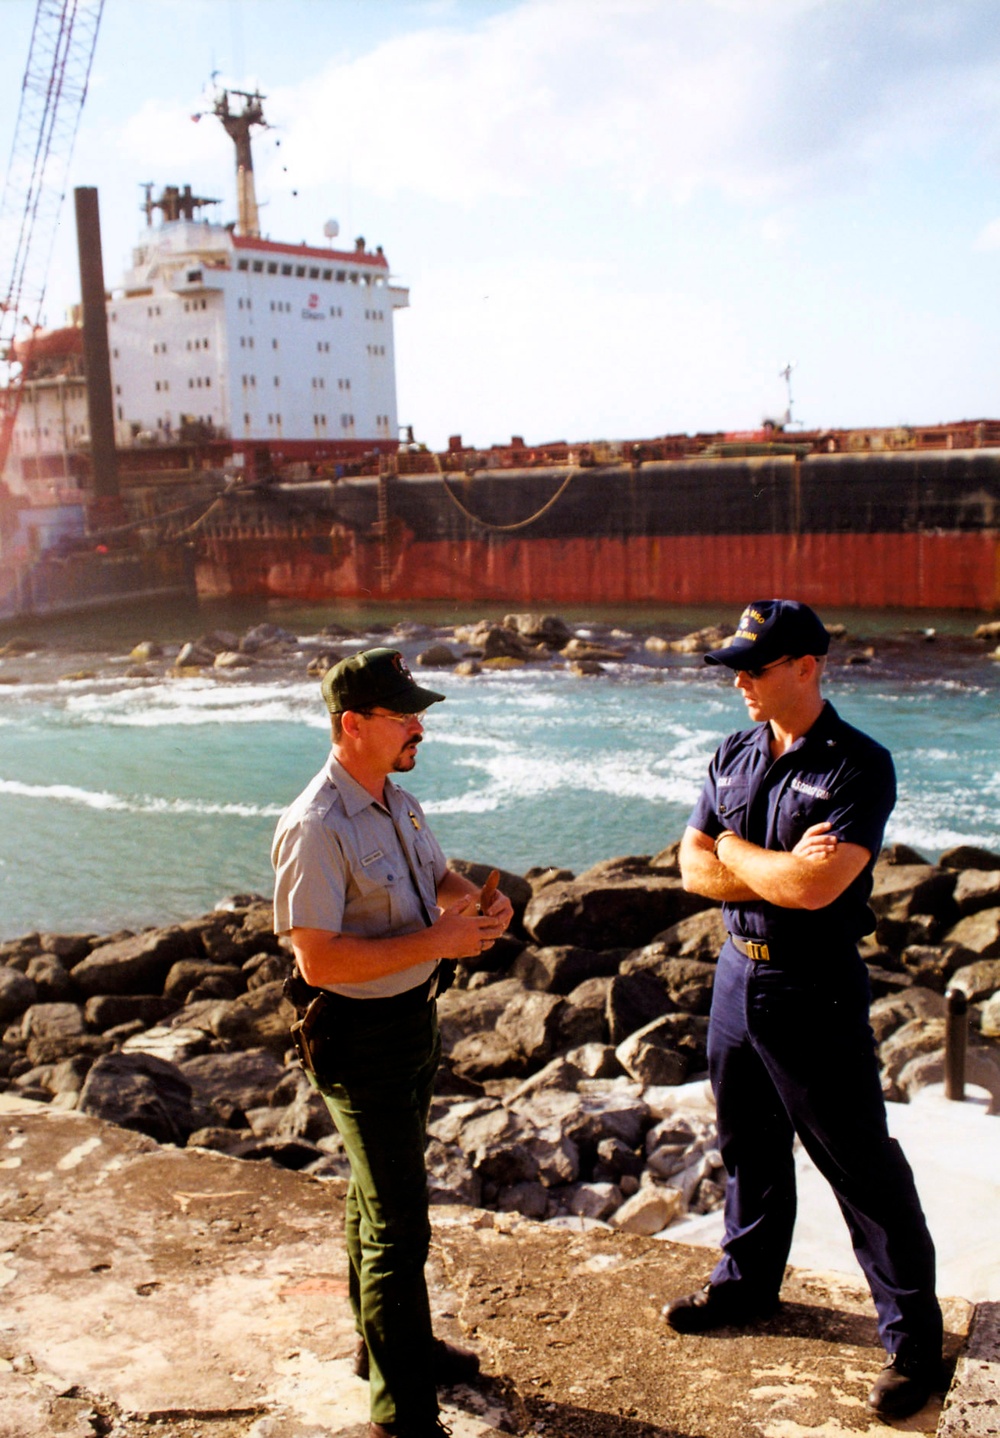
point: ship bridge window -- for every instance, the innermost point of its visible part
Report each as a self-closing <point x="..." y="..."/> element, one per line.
<point x="258" y="267"/>
<point x="272" y="267"/>
<point x="354" y="277"/>
<point x="194" y="277"/>
<point x="314" y="272"/>
<point x="286" y="269"/>
<point x="300" y="271"/>
<point x="328" y="274"/>
<point x="274" y="344"/>
<point x="242" y="264"/>
<point x="341" y="276"/>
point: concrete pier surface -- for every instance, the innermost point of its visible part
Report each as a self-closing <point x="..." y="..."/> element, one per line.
<point x="147" y="1290"/>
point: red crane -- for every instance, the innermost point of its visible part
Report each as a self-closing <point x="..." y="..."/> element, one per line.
<point x="53" y="90"/>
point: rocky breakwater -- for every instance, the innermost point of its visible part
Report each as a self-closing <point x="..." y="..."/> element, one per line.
<point x="572" y="1087"/>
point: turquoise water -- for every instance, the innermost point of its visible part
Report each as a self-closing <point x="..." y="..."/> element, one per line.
<point x="125" y="803"/>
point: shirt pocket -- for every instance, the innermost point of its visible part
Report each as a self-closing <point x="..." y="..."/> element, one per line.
<point x="731" y="806"/>
<point x="797" y="812"/>
<point x="372" y="900"/>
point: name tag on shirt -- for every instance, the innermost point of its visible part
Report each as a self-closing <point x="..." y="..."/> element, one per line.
<point x="370" y="858"/>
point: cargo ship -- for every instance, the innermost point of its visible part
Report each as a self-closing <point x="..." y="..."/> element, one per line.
<point x="255" y="426"/>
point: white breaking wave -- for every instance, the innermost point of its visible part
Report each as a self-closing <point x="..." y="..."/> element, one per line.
<point x="138" y="804"/>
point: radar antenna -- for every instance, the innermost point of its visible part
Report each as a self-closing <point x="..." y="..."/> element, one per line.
<point x="786" y="375"/>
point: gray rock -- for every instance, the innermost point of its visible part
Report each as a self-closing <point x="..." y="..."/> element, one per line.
<point x="306" y="1117"/>
<point x="968" y="856"/>
<point x="487" y="1055"/>
<point x="649" y="1211"/>
<point x="667" y="1051"/>
<point x="266" y="969"/>
<point x="450" y="1178"/>
<point x="189" y="974"/>
<point x="135" y="965"/>
<point x="583" y="1020"/>
<point x="699" y="937"/>
<point x="594" y="1061"/>
<point x="17" y="993"/>
<point x="977" y="889"/>
<point x="616" y="909"/>
<point x="547" y="629"/>
<point x="138" y="1091"/>
<point x="982" y="1069"/>
<point x="919" y="1036"/>
<point x="593" y="1200"/>
<point x="979" y="980"/>
<point x="634" y="1000"/>
<point x="561" y="968"/>
<point x="687" y="982"/>
<point x="260" y="1019"/>
<point x="496" y="1141"/>
<point x="108" y="1011"/>
<point x="171" y="1044"/>
<point x="462" y="1012"/>
<point x="615" y="1160"/>
<point x="530" y="1024"/>
<point x="980" y="933"/>
<point x="56" y="1031"/>
<point x="530" y="1199"/>
<point x="69" y="949"/>
<point x="892" y="1012"/>
<point x="931" y="965"/>
<point x="245" y="1080"/>
<point x="902" y="890"/>
<point x="559" y="1074"/>
<point x="52" y="979"/>
<point x="438" y="656"/>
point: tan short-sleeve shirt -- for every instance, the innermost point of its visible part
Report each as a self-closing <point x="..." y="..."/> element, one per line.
<point x="340" y="864"/>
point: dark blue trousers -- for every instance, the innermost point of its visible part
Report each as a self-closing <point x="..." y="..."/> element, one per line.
<point x="791" y="1052"/>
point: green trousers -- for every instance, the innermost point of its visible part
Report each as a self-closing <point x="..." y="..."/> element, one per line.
<point x="377" y="1069"/>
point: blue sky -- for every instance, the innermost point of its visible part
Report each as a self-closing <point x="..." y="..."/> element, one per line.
<point x="616" y="218"/>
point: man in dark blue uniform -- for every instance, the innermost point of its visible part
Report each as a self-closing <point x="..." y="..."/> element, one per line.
<point x="785" y="836"/>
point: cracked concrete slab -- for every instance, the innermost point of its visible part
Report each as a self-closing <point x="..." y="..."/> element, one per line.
<point x="146" y="1290"/>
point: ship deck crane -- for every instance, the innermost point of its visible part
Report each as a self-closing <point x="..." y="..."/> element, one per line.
<point x="53" y="90"/>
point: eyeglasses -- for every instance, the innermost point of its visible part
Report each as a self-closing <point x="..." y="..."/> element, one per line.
<point x="756" y="674"/>
<point x="397" y="718"/>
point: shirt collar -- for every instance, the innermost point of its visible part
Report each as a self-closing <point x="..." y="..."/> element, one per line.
<point x="821" y="731"/>
<point x="354" y="796"/>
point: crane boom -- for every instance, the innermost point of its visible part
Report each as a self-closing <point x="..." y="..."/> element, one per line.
<point x="53" y="90"/>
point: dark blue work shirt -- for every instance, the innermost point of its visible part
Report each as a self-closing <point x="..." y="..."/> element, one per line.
<point x="834" y="773"/>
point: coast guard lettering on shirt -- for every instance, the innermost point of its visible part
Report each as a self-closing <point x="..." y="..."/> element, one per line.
<point x="813" y="790"/>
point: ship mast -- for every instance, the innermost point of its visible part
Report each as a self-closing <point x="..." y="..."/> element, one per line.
<point x="238" y="128"/>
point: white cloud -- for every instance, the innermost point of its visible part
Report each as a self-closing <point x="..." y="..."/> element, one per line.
<point x="988" y="237"/>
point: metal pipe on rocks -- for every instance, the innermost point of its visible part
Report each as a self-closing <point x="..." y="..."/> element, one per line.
<point x="955" y="1040"/>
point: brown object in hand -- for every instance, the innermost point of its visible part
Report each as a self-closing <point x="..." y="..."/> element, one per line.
<point x="489" y="890"/>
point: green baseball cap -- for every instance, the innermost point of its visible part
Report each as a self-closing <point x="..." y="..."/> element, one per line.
<point x="375" y="676"/>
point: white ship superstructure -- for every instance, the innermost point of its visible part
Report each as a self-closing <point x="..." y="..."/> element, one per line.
<point x="215" y="335"/>
<point x="224" y="340"/>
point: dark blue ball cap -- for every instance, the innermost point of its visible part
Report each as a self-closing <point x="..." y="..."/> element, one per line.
<point x="772" y="629"/>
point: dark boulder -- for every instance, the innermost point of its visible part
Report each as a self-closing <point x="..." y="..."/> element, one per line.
<point x="559" y="969"/>
<point x="620" y="908"/>
<point x="140" y="1092"/>
<point x="688" y="982"/>
<point x="17" y="993"/>
<point x="109" y="1011"/>
<point x="139" y="964"/>
<point x="634" y="1000"/>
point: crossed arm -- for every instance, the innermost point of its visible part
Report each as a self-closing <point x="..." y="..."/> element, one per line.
<point x="810" y="876"/>
<point x="459" y="932"/>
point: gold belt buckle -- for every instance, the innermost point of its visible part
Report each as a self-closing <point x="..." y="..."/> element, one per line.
<point x="760" y="953"/>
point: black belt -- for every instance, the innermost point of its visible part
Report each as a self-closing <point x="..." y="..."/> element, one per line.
<point x="750" y="949"/>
